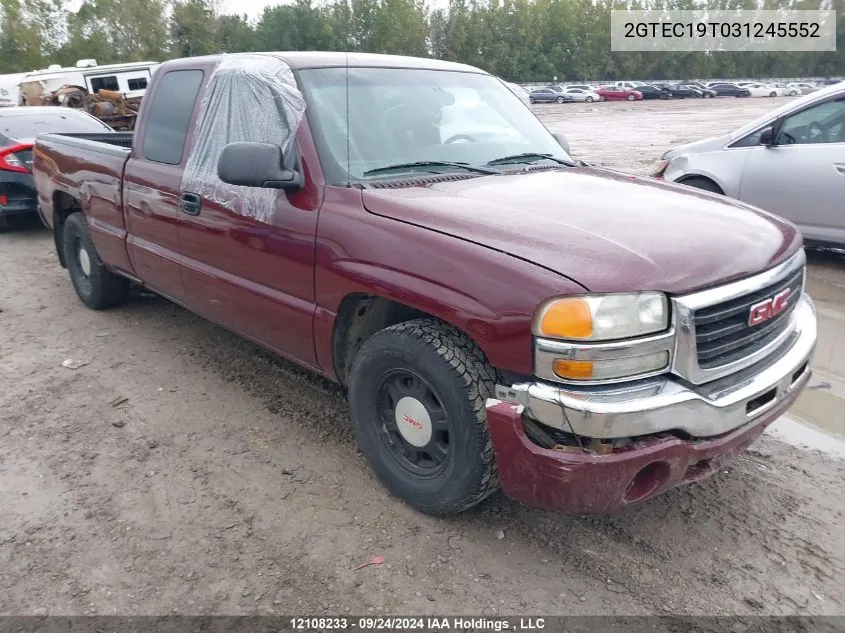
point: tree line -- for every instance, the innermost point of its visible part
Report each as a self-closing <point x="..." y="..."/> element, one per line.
<point x="518" y="40"/>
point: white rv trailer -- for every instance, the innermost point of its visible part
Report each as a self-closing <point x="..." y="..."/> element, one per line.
<point x="9" y="89"/>
<point x="130" y="79"/>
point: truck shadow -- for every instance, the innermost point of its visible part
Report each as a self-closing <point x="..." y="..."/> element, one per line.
<point x="751" y="525"/>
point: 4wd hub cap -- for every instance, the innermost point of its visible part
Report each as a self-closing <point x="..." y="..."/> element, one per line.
<point x="413" y="421"/>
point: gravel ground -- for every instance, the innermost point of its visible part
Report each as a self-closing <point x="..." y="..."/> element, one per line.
<point x="182" y="470"/>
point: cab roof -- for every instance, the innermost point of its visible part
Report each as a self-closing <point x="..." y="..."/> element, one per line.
<point x="299" y="60"/>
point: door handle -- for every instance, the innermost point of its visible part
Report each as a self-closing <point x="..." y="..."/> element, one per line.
<point x="191" y="203"/>
<point x="840" y="167"/>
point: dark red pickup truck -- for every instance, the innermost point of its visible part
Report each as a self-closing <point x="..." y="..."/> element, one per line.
<point x="501" y="315"/>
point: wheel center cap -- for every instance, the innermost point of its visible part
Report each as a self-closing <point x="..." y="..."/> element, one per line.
<point x="84" y="261"/>
<point x="413" y="421"/>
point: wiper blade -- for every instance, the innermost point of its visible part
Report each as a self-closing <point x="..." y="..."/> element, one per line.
<point x="429" y="163"/>
<point x="528" y="157"/>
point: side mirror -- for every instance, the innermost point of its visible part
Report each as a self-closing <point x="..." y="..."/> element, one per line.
<point x="257" y="165"/>
<point x="560" y="137"/>
<point x="767" y="137"/>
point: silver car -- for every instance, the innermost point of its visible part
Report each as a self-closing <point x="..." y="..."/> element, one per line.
<point x="790" y="161"/>
<point x="579" y="94"/>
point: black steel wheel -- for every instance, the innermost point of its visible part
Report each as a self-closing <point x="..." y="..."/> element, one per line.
<point x="414" y="426"/>
<point x="417" y="395"/>
<point x="95" y="285"/>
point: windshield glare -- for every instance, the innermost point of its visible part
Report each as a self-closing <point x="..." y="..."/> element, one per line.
<point x="399" y="115"/>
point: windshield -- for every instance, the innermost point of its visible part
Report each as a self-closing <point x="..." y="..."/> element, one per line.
<point x="27" y="126"/>
<point x="398" y="116"/>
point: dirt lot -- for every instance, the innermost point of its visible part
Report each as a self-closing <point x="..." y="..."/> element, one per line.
<point x="228" y="482"/>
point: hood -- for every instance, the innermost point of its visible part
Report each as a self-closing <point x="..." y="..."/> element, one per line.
<point x="710" y="144"/>
<point x="606" y="230"/>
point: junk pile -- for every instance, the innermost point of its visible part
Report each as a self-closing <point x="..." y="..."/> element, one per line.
<point x="111" y="107"/>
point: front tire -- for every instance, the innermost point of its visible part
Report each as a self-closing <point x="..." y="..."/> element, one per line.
<point x="631" y="98"/>
<point x="773" y="94"/>
<point x="96" y="286"/>
<point x="417" y="395"/>
<point x="589" y="99"/>
<point x="561" y="100"/>
<point x="704" y="184"/>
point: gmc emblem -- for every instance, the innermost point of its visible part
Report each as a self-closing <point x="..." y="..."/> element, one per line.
<point x="769" y="308"/>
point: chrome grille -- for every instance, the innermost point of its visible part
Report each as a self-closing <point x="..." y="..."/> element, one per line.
<point x="722" y="333"/>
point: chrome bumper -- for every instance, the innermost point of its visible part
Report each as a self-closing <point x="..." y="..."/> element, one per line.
<point x="666" y="403"/>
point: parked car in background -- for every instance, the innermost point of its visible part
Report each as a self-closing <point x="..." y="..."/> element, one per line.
<point x="631" y="85"/>
<point x="556" y="88"/>
<point x="804" y="88"/>
<point x="727" y="89"/>
<point x="570" y="373"/>
<point x="581" y="87"/>
<point x="678" y="91"/>
<point x="763" y="90"/>
<point x="654" y="92"/>
<point x="705" y="93"/>
<point x="546" y="95"/>
<point x="18" y="128"/>
<point x="695" y="84"/>
<point x="616" y="93"/>
<point x="790" y="161"/>
<point x="577" y="94"/>
<point x="786" y="90"/>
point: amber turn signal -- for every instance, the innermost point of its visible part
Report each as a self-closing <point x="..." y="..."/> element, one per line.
<point x="573" y="369"/>
<point x="567" y="318"/>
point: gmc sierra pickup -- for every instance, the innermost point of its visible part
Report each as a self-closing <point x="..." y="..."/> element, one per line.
<point x="502" y="316"/>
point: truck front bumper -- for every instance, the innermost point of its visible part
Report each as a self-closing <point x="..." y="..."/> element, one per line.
<point x="716" y="421"/>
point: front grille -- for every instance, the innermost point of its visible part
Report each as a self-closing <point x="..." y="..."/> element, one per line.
<point x="722" y="333"/>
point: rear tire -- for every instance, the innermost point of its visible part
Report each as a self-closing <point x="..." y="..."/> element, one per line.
<point x="5" y="224"/>
<point x="705" y="184"/>
<point x="417" y="396"/>
<point x="96" y="286"/>
<point x="773" y="94"/>
<point x="561" y="100"/>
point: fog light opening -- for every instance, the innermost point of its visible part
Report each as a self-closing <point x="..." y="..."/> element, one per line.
<point x="648" y="481"/>
<point x="797" y="375"/>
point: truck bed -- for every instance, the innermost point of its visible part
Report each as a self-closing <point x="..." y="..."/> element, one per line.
<point x="116" y="144"/>
<point x="86" y="168"/>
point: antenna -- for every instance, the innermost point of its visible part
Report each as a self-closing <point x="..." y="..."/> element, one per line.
<point x="348" y="130"/>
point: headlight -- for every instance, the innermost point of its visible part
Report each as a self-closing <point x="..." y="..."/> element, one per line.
<point x="603" y="317"/>
<point x="659" y="167"/>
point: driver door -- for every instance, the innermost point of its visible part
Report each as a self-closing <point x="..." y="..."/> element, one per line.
<point x="802" y="177"/>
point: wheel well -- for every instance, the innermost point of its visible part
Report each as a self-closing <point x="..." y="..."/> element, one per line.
<point x="63" y="206"/>
<point x="686" y="180"/>
<point x="358" y="318"/>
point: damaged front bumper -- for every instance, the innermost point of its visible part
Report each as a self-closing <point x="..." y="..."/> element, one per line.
<point x="674" y="432"/>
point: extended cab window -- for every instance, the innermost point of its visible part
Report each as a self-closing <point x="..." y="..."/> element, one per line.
<point x="137" y="84"/>
<point x="170" y="115"/>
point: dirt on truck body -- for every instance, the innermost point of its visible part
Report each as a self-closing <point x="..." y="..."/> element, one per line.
<point x="497" y="319"/>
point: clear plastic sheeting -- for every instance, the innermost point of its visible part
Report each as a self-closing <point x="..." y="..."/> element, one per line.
<point x="253" y="98"/>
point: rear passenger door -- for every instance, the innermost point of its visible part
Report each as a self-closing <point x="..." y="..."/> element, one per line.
<point x="151" y="196"/>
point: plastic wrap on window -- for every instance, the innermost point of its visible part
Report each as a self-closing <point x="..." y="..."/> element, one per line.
<point x="253" y="98"/>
